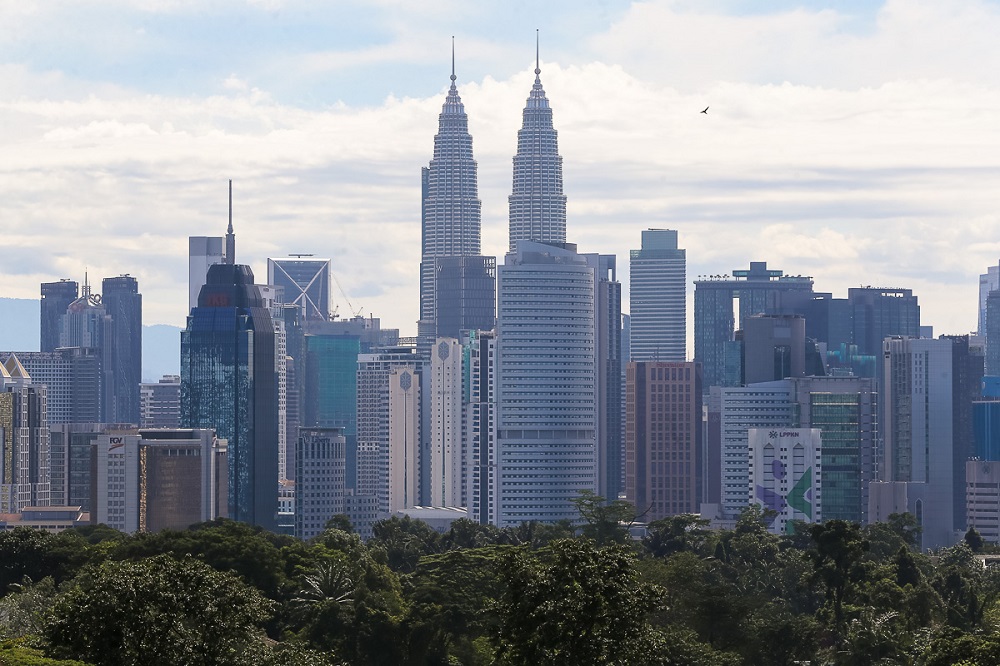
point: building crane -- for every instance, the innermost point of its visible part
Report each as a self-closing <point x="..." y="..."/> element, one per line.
<point x="356" y="313"/>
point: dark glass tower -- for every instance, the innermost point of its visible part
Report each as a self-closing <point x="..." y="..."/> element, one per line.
<point x="56" y="297"/>
<point x="228" y="382"/>
<point x="759" y="290"/>
<point x="123" y="364"/>
<point x="537" y="202"/>
<point x="451" y="223"/>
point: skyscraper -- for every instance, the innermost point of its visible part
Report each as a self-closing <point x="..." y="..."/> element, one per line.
<point x="917" y="466"/>
<point x="305" y="282"/>
<point x="160" y="403"/>
<point x="663" y="435"/>
<point x="447" y="460"/>
<point x="56" y="297"/>
<point x="123" y="361"/>
<point x="229" y="383"/>
<point x="759" y="290"/>
<point x="203" y="251"/>
<point x="658" y="298"/>
<point x="319" y="480"/>
<point x="537" y="203"/>
<point x="375" y="416"/>
<point x="450" y="228"/>
<point x="24" y="440"/>
<point x="546" y="390"/>
<point x="988" y="281"/>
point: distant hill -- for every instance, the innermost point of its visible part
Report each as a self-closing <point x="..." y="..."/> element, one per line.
<point x="161" y="343"/>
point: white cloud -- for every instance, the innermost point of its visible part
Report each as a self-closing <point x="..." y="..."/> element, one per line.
<point x="881" y="177"/>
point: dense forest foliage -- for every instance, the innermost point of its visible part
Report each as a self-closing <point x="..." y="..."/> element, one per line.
<point x="226" y="593"/>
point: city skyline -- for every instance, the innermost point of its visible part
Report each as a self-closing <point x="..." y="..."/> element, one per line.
<point x="871" y="158"/>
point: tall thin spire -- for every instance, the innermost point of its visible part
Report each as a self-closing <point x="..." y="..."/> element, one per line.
<point x="230" y="236"/>
<point x="538" y="68"/>
<point x="453" y="61"/>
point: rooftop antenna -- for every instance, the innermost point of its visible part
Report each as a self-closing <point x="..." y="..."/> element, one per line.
<point x="453" y="61"/>
<point x="538" y="70"/>
<point x="230" y="236"/>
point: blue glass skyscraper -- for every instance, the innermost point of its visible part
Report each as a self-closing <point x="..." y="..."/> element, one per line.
<point x="228" y="382"/>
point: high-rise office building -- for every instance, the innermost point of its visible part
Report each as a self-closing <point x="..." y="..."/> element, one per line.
<point x="305" y="282"/>
<point x="152" y="480"/>
<point x="122" y="363"/>
<point x="85" y="322"/>
<point x="917" y="467"/>
<point x="663" y="438"/>
<point x="767" y="405"/>
<point x="330" y="377"/>
<point x="759" y="290"/>
<point x="786" y="475"/>
<point x="967" y="378"/>
<point x="537" y="203"/>
<point x="229" y="383"/>
<point x="271" y="298"/>
<point x="56" y="297"/>
<point x="375" y="413"/>
<point x="608" y="341"/>
<point x="546" y="387"/>
<point x="319" y="479"/>
<point x="203" y="251"/>
<point x="24" y="440"/>
<point x="405" y="442"/>
<point x="73" y="378"/>
<point x="990" y="329"/>
<point x="845" y="411"/>
<point x="774" y="347"/>
<point x="988" y="281"/>
<point x="658" y="298"/>
<point x="457" y="284"/>
<point x="880" y="313"/>
<point x="160" y="403"/>
<point x="71" y="462"/>
<point x="479" y="353"/>
<point x="465" y="295"/>
<point x="448" y="474"/>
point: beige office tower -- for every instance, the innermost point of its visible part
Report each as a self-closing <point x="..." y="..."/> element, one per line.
<point x="404" y="438"/>
<point x="447" y="460"/>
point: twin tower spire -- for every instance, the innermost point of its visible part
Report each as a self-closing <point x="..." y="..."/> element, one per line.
<point x="451" y="211"/>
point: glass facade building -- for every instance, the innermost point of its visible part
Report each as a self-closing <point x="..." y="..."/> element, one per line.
<point x="123" y="361"/>
<point x="305" y="283"/>
<point x="758" y="290"/>
<point x="56" y="297"/>
<point x="229" y="383"/>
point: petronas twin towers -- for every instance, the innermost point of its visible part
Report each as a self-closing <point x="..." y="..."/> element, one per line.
<point x="457" y="283"/>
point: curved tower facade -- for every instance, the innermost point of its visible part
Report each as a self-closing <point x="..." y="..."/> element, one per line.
<point x="451" y="218"/>
<point x="537" y="202"/>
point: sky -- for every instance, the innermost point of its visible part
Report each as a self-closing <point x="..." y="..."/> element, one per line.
<point x="857" y="142"/>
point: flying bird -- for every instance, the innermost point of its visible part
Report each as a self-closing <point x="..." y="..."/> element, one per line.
<point x="706" y="110"/>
